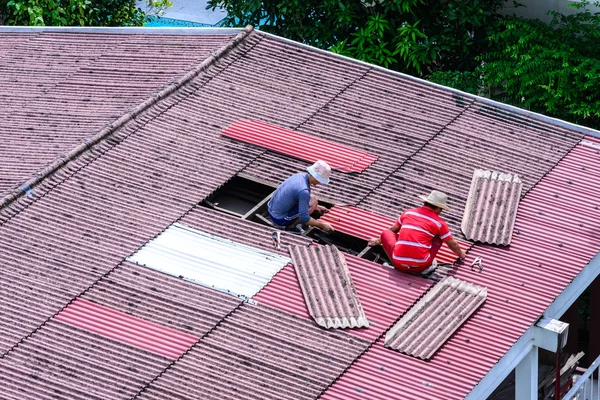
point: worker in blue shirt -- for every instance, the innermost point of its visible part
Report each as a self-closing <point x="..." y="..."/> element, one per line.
<point x="292" y="202"/>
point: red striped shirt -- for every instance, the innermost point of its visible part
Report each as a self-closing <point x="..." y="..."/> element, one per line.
<point x="418" y="227"/>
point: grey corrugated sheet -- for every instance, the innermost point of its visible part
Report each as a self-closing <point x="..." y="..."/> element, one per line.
<point x="259" y="353"/>
<point x="162" y="298"/>
<point x="249" y="233"/>
<point x="58" y="88"/>
<point x="126" y="190"/>
<point x="384" y="115"/>
<point x="212" y="261"/>
<point x="327" y="286"/>
<point x="62" y="362"/>
<point x="481" y="138"/>
<point x="430" y="322"/>
<point x="491" y="207"/>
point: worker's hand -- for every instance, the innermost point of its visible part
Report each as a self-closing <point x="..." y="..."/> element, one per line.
<point x="462" y="254"/>
<point x="322" y="209"/>
<point x="373" y="242"/>
<point x="327" y="227"/>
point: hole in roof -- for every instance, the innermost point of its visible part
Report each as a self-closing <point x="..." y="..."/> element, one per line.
<point x="240" y="196"/>
<point x="344" y="242"/>
<point x="209" y="260"/>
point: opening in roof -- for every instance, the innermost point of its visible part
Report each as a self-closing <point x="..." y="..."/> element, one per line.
<point x="241" y="197"/>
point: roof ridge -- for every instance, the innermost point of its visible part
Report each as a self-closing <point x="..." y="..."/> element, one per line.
<point x="112" y="128"/>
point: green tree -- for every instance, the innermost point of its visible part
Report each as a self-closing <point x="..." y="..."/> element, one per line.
<point x="549" y="68"/>
<point x="414" y="36"/>
<point x="78" y="12"/>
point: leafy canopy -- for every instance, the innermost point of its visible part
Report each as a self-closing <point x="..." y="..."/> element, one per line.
<point x="414" y="36"/>
<point x="78" y="12"/>
<point x="550" y="68"/>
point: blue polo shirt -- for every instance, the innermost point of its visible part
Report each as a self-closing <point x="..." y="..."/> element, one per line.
<point x="291" y="199"/>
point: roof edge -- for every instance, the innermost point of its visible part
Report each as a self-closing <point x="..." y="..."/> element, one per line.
<point x="129" y="30"/>
<point x="111" y="128"/>
<point x="485" y="100"/>
<point x="524" y="344"/>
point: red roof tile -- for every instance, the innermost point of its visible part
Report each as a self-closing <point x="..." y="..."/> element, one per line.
<point x="300" y="145"/>
<point x="125" y="328"/>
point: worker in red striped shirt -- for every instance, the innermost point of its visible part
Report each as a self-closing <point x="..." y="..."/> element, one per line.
<point x="414" y="240"/>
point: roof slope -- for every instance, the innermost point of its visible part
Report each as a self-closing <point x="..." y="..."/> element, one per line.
<point x="57" y="89"/>
<point x="155" y="167"/>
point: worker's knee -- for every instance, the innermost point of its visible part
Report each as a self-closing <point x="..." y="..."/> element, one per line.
<point x="314" y="201"/>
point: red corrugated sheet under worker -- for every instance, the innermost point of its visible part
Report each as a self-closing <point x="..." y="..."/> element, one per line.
<point x="414" y="240"/>
<point x="292" y="203"/>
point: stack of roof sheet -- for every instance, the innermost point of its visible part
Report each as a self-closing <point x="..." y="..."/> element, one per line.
<point x="491" y="207"/>
<point x="430" y="322"/>
<point x="329" y="292"/>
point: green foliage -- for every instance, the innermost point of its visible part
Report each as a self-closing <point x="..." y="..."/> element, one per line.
<point x="550" y="68"/>
<point x="78" y="12"/>
<point x="467" y="81"/>
<point x="414" y="36"/>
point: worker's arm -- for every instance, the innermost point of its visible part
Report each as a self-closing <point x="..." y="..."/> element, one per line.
<point x="320" y="224"/>
<point x="303" y="213"/>
<point x="456" y="248"/>
<point x="377" y="241"/>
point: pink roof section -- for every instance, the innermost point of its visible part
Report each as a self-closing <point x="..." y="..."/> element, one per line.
<point x="556" y="236"/>
<point x="126" y="328"/>
<point x="60" y="88"/>
<point x="366" y="225"/>
<point x="384" y="293"/>
<point x="300" y="145"/>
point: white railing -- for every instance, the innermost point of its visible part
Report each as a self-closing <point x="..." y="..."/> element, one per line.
<point x="586" y="388"/>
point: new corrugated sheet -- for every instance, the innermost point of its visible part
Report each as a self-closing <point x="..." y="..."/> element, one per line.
<point x="491" y="207"/>
<point x="366" y="225"/>
<point x="259" y="353"/>
<point x="430" y="322"/>
<point x="384" y="294"/>
<point x="327" y="287"/>
<point x="556" y="235"/>
<point x="60" y="361"/>
<point x="300" y="145"/>
<point x="210" y="260"/>
<point x="125" y="328"/>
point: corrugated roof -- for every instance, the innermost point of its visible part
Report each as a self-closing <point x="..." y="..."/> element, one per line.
<point x="555" y="237"/>
<point x="327" y="287"/>
<point x="384" y="293"/>
<point x="166" y="300"/>
<point x="259" y="353"/>
<point x="60" y="88"/>
<point x="366" y="225"/>
<point x="300" y="145"/>
<point x="483" y="137"/>
<point x="61" y="361"/>
<point x="430" y="322"/>
<point x="491" y="207"/>
<point x="125" y="328"/>
<point x="123" y="191"/>
<point x="210" y="260"/>
<point x="242" y="231"/>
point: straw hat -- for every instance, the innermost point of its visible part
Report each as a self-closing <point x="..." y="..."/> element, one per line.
<point x="320" y="171"/>
<point x="436" y="198"/>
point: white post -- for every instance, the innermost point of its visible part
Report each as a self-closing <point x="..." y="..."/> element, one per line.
<point x="526" y="377"/>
